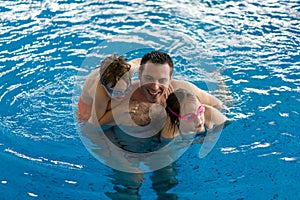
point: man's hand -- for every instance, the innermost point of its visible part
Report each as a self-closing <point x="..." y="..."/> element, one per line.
<point x="124" y="113"/>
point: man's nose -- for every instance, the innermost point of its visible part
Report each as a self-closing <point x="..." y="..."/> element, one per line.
<point x="154" y="85"/>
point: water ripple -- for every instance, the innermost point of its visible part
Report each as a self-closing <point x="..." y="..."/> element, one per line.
<point x="44" y="160"/>
<point x="264" y="34"/>
<point x="48" y="47"/>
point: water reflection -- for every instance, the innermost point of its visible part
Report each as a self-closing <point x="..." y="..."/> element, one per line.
<point x="132" y="159"/>
<point x="127" y="185"/>
<point x="164" y="180"/>
<point x="129" y="168"/>
<point x="126" y="153"/>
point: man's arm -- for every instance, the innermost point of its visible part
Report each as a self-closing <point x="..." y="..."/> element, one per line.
<point x="135" y="65"/>
<point x="203" y="96"/>
<point x="213" y="117"/>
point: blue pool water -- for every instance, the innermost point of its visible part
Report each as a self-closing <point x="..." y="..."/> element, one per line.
<point x="49" y="46"/>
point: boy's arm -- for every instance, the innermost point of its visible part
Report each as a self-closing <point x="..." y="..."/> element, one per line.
<point x="119" y="115"/>
<point x="101" y="101"/>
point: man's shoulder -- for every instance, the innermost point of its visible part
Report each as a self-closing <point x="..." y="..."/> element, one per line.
<point x="176" y="84"/>
<point x="134" y="93"/>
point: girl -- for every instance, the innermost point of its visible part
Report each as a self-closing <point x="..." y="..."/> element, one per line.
<point x="186" y="115"/>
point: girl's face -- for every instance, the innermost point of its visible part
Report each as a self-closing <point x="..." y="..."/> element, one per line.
<point x="192" y="116"/>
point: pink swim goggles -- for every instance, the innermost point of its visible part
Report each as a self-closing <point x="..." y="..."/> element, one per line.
<point x="190" y="116"/>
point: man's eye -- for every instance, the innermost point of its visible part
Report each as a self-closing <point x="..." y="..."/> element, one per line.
<point x="149" y="78"/>
<point x="163" y="81"/>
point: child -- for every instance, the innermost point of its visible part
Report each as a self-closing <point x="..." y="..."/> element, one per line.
<point x="111" y="80"/>
<point x="186" y="115"/>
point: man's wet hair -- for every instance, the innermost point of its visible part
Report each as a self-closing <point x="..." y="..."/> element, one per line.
<point x="157" y="57"/>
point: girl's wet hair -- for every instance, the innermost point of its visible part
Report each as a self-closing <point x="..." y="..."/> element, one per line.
<point x="174" y="101"/>
<point x="112" y="68"/>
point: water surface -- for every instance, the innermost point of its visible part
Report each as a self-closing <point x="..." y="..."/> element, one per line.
<point x="49" y="47"/>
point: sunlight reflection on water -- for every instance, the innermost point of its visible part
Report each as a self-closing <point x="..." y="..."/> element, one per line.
<point x="254" y="45"/>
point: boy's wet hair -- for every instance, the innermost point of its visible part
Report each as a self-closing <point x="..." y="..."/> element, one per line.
<point x="112" y="68"/>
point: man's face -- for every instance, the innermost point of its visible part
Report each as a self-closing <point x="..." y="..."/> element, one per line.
<point x="155" y="80"/>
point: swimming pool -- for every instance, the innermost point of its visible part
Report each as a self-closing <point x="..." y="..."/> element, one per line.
<point x="48" y="47"/>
